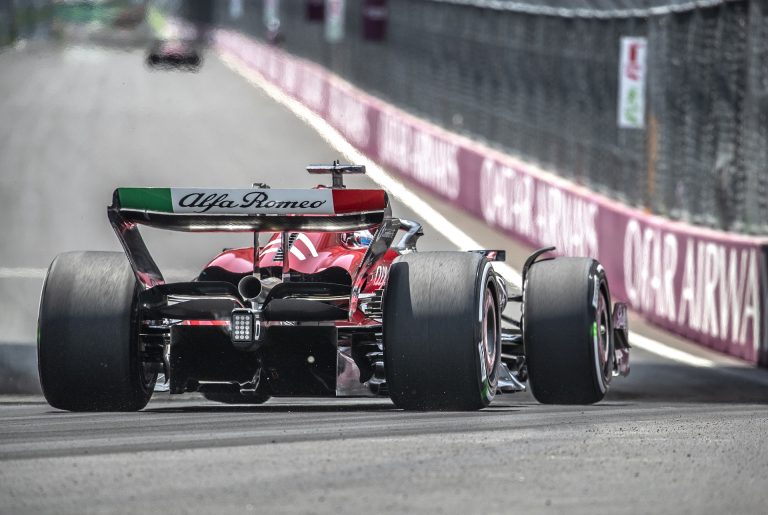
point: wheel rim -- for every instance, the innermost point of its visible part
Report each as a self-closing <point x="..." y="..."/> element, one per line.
<point x="602" y="341"/>
<point x="490" y="332"/>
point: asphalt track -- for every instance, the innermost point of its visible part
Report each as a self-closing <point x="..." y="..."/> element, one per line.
<point x="77" y="122"/>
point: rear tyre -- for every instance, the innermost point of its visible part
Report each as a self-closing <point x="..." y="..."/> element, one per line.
<point x="88" y="335"/>
<point x="442" y="336"/>
<point x="567" y="331"/>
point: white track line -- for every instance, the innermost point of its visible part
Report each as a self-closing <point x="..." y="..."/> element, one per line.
<point x="658" y="348"/>
<point x="396" y="188"/>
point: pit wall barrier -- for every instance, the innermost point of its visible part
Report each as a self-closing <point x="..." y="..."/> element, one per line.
<point x="708" y="286"/>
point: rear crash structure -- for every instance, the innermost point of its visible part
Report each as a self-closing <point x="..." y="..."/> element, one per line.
<point x="332" y="299"/>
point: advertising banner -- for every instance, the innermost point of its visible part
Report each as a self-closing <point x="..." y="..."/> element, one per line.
<point x="235" y="9"/>
<point x="334" y="20"/>
<point x="375" y="15"/>
<point x="632" y="70"/>
<point x="272" y="14"/>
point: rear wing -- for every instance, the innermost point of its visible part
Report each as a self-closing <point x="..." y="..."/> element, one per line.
<point x="237" y="210"/>
<point x="251" y="209"/>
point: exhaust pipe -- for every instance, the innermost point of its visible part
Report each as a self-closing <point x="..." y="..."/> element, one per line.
<point x="253" y="289"/>
<point x="249" y="287"/>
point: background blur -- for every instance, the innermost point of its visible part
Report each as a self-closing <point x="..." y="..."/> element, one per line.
<point x="536" y="78"/>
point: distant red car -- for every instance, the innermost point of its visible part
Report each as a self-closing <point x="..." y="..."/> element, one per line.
<point x="174" y="54"/>
<point x="326" y="305"/>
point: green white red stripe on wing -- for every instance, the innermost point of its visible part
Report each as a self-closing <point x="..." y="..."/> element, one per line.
<point x="216" y="201"/>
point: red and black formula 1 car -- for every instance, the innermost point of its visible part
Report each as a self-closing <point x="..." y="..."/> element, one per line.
<point x="174" y="54"/>
<point x="327" y="305"/>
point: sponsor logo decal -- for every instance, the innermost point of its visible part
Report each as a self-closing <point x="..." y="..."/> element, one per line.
<point x="705" y="286"/>
<point x="350" y="116"/>
<point x="545" y="214"/>
<point x="190" y="200"/>
<point x="312" y="90"/>
<point x="429" y="160"/>
<point x="379" y="276"/>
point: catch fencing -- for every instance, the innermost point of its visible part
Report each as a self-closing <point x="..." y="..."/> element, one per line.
<point x="542" y="81"/>
<point x="24" y="19"/>
<point x="710" y="286"/>
<point x="6" y="23"/>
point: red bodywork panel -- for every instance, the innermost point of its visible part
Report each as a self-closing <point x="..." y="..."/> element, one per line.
<point x="311" y="253"/>
<point x="355" y="201"/>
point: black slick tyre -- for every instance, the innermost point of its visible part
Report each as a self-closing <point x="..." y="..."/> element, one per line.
<point x="567" y="331"/>
<point x="88" y="335"/>
<point x="442" y="337"/>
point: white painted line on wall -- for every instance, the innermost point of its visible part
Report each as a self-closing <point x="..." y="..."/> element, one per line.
<point x="665" y="351"/>
<point x="430" y="215"/>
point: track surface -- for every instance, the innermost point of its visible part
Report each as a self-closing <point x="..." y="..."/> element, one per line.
<point x="77" y="122"/>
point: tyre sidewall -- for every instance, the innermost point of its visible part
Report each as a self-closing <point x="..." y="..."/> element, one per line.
<point x="488" y="380"/>
<point x="429" y="368"/>
<point x="599" y="286"/>
<point x="560" y="306"/>
<point x="88" y="335"/>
